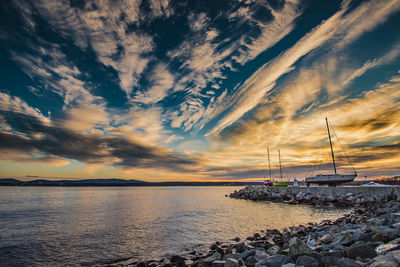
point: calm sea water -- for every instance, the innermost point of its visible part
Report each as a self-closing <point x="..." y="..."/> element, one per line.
<point x="51" y="226"/>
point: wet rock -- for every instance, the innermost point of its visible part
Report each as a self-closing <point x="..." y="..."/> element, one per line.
<point x="361" y="250"/>
<point x="231" y="263"/>
<point x="307" y="261"/>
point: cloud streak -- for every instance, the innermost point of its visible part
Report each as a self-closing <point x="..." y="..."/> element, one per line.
<point x="263" y="81"/>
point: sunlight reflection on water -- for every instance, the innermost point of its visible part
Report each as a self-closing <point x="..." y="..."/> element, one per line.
<point x="87" y="225"/>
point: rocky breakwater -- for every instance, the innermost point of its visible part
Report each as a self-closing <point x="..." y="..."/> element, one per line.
<point x="369" y="236"/>
<point x="329" y="197"/>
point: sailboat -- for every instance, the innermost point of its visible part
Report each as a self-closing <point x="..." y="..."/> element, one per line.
<point x="331" y="179"/>
<point x="281" y="182"/>
<point x="270" y="181"/>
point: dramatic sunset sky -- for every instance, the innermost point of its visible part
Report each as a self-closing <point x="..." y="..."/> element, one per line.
<point x="183" y="90"/>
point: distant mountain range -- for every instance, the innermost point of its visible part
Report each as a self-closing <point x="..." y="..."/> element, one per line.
<point x="112" y="182"/>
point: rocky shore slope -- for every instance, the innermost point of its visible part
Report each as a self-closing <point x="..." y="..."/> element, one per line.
<point x="327" y="196"/>
<point x="368" y="236"/>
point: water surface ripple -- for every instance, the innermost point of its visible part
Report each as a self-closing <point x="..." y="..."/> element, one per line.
<point x="59" y="226"/>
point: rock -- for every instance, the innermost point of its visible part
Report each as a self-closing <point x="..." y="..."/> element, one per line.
<point x="361" y="250"/>
<point x="383" y="261"/>
<point x="218" y="263"/>
<point x="318" y="257"/>
<point x="389" y="234"/>
<point x="241" y="247"/>
<point x="236" y="239"/>
<point x="307" y="261"/>
<point x="396" y="255"/>
<point x="325" y="239"/>
<point x="273" y="261"/>
<point x="297" y="247"/>
<point x="208" y="261"/>
<point x="177" y="260"/>
<point x="260" y="255"/>
<point x="377" y="237"/>
<point x="340" y="262"/>
<point x="334" y="253"/>
<point x="382" y="249"/>
<point x="289" y="265"/>
<point x="227" y="251"/>
<point x="335" y="229"/>
<point x="244" y="255"/>
<point x="231" y="263"/>
<point x="250" y="261"/>
<point x="374" y="244"/>
<point x="273" y="250"/>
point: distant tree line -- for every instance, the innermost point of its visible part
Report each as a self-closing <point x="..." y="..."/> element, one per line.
<point x="395" y="180"/>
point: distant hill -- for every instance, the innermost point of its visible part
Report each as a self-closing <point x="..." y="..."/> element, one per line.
<point x="85" y="182"/>
<point x="115" y="182"/>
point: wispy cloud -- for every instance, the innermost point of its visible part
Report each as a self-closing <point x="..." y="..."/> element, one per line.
<point x="367" y="124"/>
<point x="370" y="64"/>
<point x="161" y="80"/>
<point x="113" y="43"/>
<point x="263" y="81"/>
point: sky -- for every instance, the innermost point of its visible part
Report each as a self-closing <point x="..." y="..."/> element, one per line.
<point x="180" y="90"/>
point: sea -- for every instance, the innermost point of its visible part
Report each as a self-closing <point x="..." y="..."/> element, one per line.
<point x="86" y="226"/>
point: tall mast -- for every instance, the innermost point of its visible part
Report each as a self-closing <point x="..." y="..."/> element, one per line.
<point x="280" y="166"/>
<point x="269" y="164"/>
<point x="330" y="142"/>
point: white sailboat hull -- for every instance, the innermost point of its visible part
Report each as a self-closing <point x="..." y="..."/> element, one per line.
<point x="332" y="179"/>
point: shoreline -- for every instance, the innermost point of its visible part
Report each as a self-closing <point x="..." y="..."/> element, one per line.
<point x="368" y="236"/>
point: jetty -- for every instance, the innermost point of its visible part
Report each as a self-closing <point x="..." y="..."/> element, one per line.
<point x="339" y="196"/>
